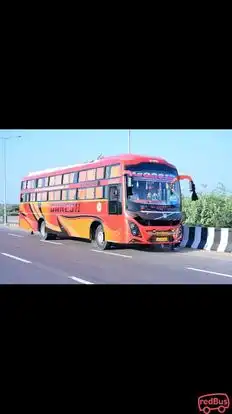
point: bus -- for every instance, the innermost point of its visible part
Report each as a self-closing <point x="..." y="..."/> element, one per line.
<point x="126" y="199"/>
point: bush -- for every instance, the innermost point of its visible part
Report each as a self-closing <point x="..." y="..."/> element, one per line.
<point x="211" y="210"/>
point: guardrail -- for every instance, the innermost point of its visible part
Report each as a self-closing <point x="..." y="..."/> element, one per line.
<point x="208" y="238"/>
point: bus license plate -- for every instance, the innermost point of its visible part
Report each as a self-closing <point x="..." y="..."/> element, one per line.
<point x="162" y="239"/>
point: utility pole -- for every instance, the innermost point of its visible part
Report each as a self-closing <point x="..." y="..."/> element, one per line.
<point x="4" y="139"/>
<point x="129" y="141"/>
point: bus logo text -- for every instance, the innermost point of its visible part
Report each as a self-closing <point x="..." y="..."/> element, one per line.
<point x="209" y="402"/>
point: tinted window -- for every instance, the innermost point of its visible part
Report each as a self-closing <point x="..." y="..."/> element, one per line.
<point x="150" y="167"/>
<point x="114" y="193"/>
<point x="75" y="177"/>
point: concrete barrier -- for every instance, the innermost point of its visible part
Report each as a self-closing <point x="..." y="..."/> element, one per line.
<point x="211" y="239"/>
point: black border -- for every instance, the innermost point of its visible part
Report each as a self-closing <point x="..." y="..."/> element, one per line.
<point x="185" y="329"/>
<point x="171" y="102"/>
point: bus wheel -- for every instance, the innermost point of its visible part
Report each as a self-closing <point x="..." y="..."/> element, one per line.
<point x="44" y="235"/>
<point x="99" y="239"/>
<point x="175" y="246"/>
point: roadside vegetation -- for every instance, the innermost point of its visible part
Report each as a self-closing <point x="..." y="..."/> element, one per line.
<point x="211" y="210"/>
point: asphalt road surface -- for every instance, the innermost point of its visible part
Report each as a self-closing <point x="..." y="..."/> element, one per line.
<point x="24" y="259"/>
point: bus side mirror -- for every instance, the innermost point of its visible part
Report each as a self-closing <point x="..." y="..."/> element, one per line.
<point x="193" y="191"/>
<point x="194" y="196"/>
<point x="183" y="216"/>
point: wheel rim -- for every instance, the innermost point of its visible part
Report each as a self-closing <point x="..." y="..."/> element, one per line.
<point x="42" y="229"/>
<point x="100" y="237"/>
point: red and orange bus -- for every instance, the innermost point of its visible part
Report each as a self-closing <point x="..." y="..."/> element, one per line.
<point x="125" y="199"/>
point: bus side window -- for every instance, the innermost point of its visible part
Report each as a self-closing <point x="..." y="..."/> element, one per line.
<point x="75" y="178"/>
<point x="73" y="194"/>
<point x="112" y="171"/>
<point x="65" y="194"/>
<point x="114" y="193"/>
<point x="32" y="197"/>
<point x="26" y="197"/>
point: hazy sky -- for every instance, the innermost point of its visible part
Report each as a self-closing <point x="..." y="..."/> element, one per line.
<point x="204" y="154"/>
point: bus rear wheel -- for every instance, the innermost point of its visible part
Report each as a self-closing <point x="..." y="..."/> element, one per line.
<point x="99" y="239"/>
<point x="43" y="233"/>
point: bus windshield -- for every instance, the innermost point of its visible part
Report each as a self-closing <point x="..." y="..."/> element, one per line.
<point x="152" y="187"/>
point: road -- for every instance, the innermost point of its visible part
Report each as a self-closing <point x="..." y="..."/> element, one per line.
<point x="24" y="259"/>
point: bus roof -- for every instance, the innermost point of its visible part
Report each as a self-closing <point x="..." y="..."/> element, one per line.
<point x="103" y="161"/>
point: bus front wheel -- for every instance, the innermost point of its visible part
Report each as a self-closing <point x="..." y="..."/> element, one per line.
<point x="99" y="239"/>
<point x="175" y="246"/>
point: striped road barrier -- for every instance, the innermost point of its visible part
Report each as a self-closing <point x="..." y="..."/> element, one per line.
<point x="211" y="239"/>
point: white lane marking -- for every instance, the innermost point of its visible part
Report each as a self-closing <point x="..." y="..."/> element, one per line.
<point x="16" y="258"/>
<point x="84" y="282"/>
<point x="112" y="254"/>
<point x="51" y="242"/>
<point x="14" y="235"/>
<point x="208" y="271"/>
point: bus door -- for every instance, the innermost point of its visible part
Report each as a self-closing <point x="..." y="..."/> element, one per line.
<point x="115" y="199"/>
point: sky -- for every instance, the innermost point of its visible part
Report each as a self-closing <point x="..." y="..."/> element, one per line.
<point x="206" y="155"/>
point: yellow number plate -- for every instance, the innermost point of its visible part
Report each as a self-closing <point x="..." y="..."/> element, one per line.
<point x="162" y="239"/>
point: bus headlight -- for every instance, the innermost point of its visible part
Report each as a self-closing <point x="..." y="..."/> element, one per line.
<point x="134" y="229"/>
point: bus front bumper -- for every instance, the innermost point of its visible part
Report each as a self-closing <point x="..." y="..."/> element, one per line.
<point x="158" y="236"/>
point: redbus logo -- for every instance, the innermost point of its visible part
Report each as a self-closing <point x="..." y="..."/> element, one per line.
<point x="208" y="402"/>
